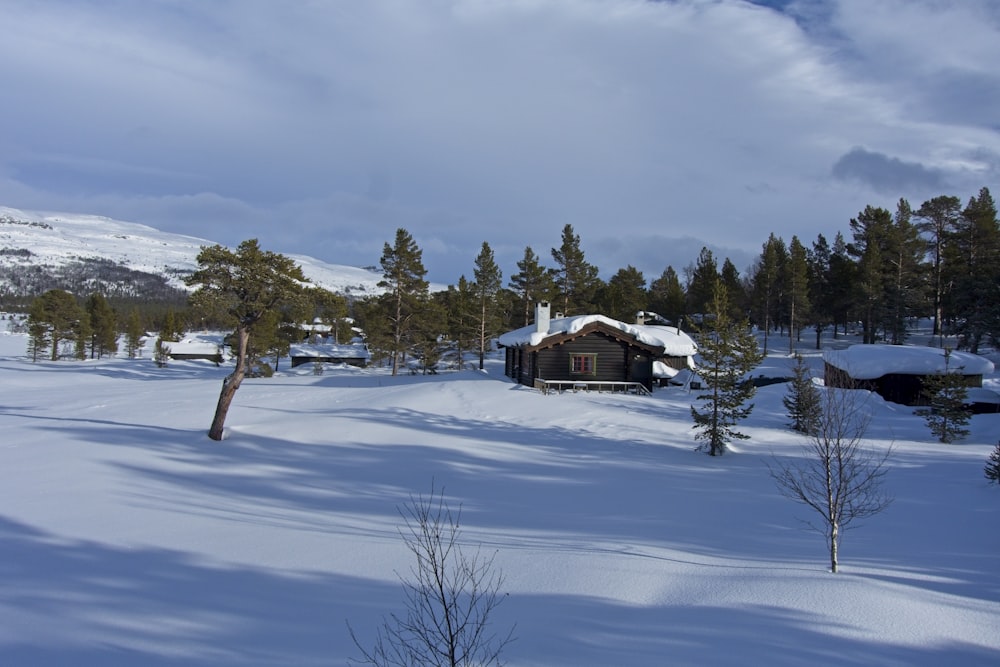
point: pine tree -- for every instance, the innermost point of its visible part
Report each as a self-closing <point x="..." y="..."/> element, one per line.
<point x="82" y="335"/>
<point x="871" y="230"/>
<point x="531" y="283"/>
<point x="904" y="282"/>
<point x="796" y="280"/>
<point x="167" y="334"/>
<point x="842" y="284"/>
<point x="976" y="250"/>
<point x="766" y="284"/>
<point x="488" y="280"/>
<point x="247" y="285"/>
<point x="133" y="333"/>
<point x="403" y="276"/>
<point x="458" y="301"/>
<point x="428" y="334"/>
<point x="728" y="351"/>
<point x="737" y="296"/>
<point x="330" y="309"/>
<point x="938" y="218"/>
<point x="820" y="292"/>
<point x="702" y="279"/>
<point x="992" y="469"/>
<point x="624" y="295"/>
<point x="666" y="296"/>
<point x="38" y="340"/>
<point x="946" y="415"/>
<point x="803" y="399"/>
<point x="55" y="318"/>
<point x="103" y="326"/>
<point x="575" y="279"/>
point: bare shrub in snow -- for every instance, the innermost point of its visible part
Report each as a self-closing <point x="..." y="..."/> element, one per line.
<point x="450" y="596"/>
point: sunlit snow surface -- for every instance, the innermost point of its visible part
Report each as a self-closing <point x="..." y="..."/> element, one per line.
<point x="127" y="537"/>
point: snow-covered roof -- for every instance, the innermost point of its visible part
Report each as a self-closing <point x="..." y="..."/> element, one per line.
<point x="197" y="347"/>
<point x="331" y="351"/>
<point x="674" y="342"/>
<point x="867" y="362"/>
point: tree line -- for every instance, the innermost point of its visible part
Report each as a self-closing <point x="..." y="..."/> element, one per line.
<point x="941" y="260"/>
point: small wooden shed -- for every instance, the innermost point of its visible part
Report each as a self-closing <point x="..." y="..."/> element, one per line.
<point x="352" y="354"/>
<point x="193" y="350"/>
<point x="897" y="372"/>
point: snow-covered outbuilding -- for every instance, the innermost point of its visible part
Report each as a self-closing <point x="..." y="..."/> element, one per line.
<point x="353" y="354"/>
<point x="588" y="351"/>
<point x="193" y="349"/>
<point x="897" y="372"/>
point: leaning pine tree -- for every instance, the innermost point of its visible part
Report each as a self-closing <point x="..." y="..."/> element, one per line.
<point x="245" y="286"/>
<point x="728" y="351"/>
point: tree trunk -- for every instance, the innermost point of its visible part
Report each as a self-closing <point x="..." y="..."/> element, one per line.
<point x="230" y="385"/>
<point x="834" y="539"/>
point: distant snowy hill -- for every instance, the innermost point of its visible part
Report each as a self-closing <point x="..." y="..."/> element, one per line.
<point x="36" y="247"/>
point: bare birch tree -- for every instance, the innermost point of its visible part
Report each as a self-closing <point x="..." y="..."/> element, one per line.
<point x="839" y="477"/>
<point x="450" y="597"/>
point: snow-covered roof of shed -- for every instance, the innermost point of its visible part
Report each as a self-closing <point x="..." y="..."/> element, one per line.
<point x="190" y="347"/>
<point x="867" y="362"/>
<point x="331" y="351"/>
<point x="673" y="341"/>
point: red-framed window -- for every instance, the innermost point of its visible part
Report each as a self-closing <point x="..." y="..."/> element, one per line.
<point x="583" y="364"/>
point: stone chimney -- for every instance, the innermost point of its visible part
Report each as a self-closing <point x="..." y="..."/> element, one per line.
<point x="542" y="317"/>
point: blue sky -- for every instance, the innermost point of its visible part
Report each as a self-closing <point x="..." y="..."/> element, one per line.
<point x="654" y="128"/>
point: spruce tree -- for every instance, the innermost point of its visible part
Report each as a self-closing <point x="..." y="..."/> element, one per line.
<point x="728" y="351"/>
<point x="803" y="399"/>
<point x="946" y="415"/>
<point x="992" y="469"/>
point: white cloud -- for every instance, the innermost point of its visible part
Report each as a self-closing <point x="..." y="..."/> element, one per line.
<point x="323" y="126"/>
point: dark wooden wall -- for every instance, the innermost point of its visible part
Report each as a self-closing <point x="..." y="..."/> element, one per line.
<point x="612" y="359"/>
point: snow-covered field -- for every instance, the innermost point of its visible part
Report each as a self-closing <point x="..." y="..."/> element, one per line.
<point x="127" y="537"/>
